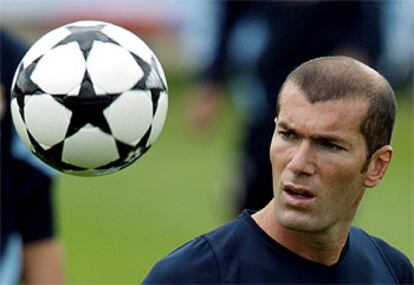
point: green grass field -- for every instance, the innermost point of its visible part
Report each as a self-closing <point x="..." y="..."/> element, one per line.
<point x="114" y="228"/>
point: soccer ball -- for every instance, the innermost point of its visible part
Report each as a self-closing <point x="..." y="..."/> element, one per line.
<point x="89" y="98"/>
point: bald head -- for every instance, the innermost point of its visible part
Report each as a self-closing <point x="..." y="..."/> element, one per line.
<point x="344" y="78"/>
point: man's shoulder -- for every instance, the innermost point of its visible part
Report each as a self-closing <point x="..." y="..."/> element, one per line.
<point x="397" y="261"/>
<point x="194" y="257"/>
<point x="196" y="261"/>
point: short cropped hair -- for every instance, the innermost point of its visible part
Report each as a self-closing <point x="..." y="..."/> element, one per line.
<point x="341" y="77"/>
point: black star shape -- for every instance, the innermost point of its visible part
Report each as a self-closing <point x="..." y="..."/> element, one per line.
<point x="87" y="107"/>
<point x="85" y="36"/>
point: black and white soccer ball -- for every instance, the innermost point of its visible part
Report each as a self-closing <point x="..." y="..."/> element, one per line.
<point x="89" y="98"/>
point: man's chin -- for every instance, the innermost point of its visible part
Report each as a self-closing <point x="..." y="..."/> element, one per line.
<point x="300" y="223"/>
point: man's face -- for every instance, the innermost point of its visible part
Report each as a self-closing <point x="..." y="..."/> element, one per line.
<point x="317" y="154"/>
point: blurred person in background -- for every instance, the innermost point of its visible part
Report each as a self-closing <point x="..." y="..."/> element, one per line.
<point x="257" y="44"/>
<point x="397" y="57"/>
<point x="29" y="249"/>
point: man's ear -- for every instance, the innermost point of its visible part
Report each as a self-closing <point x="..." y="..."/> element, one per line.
<point x="378" y="165"/>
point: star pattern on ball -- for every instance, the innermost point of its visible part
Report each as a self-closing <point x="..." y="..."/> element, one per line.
<point x="89" y="106"/>
<point x="85" y="37"/>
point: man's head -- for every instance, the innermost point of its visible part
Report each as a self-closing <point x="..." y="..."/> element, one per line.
<point x="334" y="124"/>
<point x="340" y="77"/>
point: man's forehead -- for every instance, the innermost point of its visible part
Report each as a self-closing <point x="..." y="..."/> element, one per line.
<point x="291" y="90"/>
<point x="320" y="117"/>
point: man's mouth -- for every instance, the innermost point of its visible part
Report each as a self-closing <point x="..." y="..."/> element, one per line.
<point x="298" y="192"/>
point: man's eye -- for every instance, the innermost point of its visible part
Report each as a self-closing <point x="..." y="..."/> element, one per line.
<point x="331" y="146"/>
<point x="286" y="134"/>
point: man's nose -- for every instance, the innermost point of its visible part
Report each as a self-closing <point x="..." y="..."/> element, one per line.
<point x="302" y="161"/>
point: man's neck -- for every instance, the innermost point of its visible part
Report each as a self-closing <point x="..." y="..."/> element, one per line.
<point x="320" y="247"/>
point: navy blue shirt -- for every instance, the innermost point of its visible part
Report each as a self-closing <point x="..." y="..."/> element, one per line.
<point x="241" y="252"/>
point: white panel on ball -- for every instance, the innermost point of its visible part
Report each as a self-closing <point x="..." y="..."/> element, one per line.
<point x="104" y="59"/>
<point x="159" y="117"/>
<point x="129" y="41"/>
<point x="60" y="70"/>
<point x="89" y="148"/>
<point x="44" y="44"/>
<point x="130" y="116"/>
<point x="19" y="124"/>
<point x="98" y="90"/>
<point x="75" y="91"/>
<point x="46" y="119"/>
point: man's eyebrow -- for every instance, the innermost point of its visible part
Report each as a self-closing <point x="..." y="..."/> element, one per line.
<point x="285" y="126"/>
<point x="316" y="137"/>
<point x="330" y="138"/>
